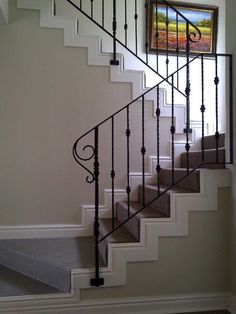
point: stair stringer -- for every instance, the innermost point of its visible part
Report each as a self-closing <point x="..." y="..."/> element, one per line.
<point x="151" y="229"/>
<point x="98" y="58"/>
<point x="92" y="43"/>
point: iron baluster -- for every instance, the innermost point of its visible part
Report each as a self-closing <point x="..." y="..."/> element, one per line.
<point x="172" y="131"/>
<point x="128" y="189"/>
<point x="136" y="26"/>
<point x="126" y="25"/>
<point x="217" y="134"/>
<point x="54" y="8"/>
<point x="97" y="281"/>
<point x="81" y="4"/>
<point x="157" y="37"/>
<point x="167" y="40"/>
<point x="113" y="172"/>
<point x="231" y="140"/>
<point x="187" y="93"/>
<point x="177" y="48"/>
<point x="146" y="42"/>
<point x="114" y="27"/>
<point x="143" y="150"/>
<point x="203" y="108"/>
<point x="91" y="7"/>
<point x="103" y="14"/>
<point x="158" y="113"/>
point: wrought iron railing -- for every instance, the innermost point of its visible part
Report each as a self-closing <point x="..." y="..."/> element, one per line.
<point x="97" y="151"/>
<point x="134" y="25"/>
<point x="97" y="148"/>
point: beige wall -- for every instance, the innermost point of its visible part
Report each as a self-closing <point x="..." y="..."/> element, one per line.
<point x="48" y="97"/>
<point x="231" y="48"/>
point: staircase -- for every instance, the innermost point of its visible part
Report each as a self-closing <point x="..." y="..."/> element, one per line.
<point x="153" y="202"/>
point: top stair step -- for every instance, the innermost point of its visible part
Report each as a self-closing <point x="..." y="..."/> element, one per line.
<point x="210" y="141"/>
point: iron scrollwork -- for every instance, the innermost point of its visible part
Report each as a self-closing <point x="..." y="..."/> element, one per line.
<point x="91" y="177"/>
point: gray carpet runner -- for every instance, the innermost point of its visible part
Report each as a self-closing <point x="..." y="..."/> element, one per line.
<point x="50" y="261"/>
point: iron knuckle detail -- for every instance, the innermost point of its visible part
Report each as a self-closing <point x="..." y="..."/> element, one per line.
<point x="128" y="190"/>
<point x="128" y="132"/>
<point x="143" y="150"/>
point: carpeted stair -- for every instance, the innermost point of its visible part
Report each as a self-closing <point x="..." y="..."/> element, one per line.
<point x="51" y="260"/>
<point x="160" y="208"/>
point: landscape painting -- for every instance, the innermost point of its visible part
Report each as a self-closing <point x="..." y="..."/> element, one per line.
<point x="167" y="32"/>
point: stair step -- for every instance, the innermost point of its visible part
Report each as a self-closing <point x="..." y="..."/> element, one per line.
<point x="133" y="226"/>
<point x="161" y="204"/>
<point x="48" y="260"/>
<point x="210" y="141"/>
<point x="121" y="235"/>
<point x="191" y="182"/>
<point x="195" y="158"/>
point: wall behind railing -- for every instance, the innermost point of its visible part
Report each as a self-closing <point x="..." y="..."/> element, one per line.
<point x="49" y="96"/>
<point x="87" y="28"/>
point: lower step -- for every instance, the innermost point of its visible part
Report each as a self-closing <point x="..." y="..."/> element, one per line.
<point x="48" y="260"/>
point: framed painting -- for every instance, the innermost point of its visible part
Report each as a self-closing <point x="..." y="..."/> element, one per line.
<point x="164" y="23"/>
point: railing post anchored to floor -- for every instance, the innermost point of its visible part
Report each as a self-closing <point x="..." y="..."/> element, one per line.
<point x="97" y="281"/>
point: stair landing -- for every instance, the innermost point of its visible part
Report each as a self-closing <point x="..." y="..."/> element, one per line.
<point x="48" y="260"/>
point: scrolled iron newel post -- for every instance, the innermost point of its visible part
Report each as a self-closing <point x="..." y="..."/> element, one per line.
<point x="96" y="281"/>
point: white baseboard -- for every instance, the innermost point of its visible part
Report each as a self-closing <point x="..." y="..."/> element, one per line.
<point x="67" y="304"/>
<point x="40" y="231"/>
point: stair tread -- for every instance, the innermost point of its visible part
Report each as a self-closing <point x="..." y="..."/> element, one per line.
<point x="163" y="188"/>
<point x="205" y="150"/>
<point x="147" y="212"/>
<point x="121" y="235"/>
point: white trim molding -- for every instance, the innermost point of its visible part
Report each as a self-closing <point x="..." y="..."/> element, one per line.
<point x="69" y="304"/>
